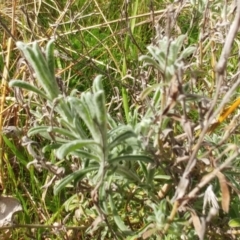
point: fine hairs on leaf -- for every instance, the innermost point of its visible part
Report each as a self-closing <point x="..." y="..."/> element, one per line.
<point x="35" y="57"/>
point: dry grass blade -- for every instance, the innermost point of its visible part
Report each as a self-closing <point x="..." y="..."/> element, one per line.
<point x="163" y="191"/>
<point x="207" y="178"/>
<point x="4" y="83"/>
<point x="221" y="65"/>
<point x="61" y="16"/>
<point x="225" y="191"/>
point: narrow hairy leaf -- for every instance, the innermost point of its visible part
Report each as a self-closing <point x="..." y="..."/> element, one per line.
<point x="89" y="103"/>
<point x="102" y="196"/>
<point x="101" y="110"/>
<point x="50" y="57"/>
<point x="127" y="173"/>
<point x="50" y="147"/>
<point x="85" y="110"/>
<point x="85" y="154"/>
<point x="97" y="84"/>
<point x="101" y="115"/>
<point x="72" y="146"/>
<point x="122" y="137"/>
<point x="149" y="61"/>
<point x="27" y="86"/>
<point x="69" y="178"/>
<point x="48" y="129"/>
<point x="179" y="42"/>
<point x="116" y="217"/>
<point x="141" y="158"/>
<point x="118" y="128"/>
<point x="36" y="59"/>
<point x="149" y="90"/>
<point x="187" y="52"/>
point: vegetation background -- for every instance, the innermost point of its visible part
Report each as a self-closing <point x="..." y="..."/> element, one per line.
<point x="147" y="150"/>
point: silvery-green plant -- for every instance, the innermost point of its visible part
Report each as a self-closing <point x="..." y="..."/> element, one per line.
<point x="166" y="55"/>
<point x="80" y="126"/>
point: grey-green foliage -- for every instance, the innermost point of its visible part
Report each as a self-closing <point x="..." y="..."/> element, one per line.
<point x="81" y="126"/>
<point x="43" y="67"/>
<point x="166" y="55"/>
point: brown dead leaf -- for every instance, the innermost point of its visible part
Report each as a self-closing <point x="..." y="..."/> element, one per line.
<point x="225" y="192"/>
<point x="148" y="233"/>
<point x="173" y="94"/>
<point x="95" y="224"/>
<point x="196" y="222"/>
<point x="8" y="207"/>
<point x="187" y="129"/>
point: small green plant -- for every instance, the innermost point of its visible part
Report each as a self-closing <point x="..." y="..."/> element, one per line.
<point x="109" y="154"/>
